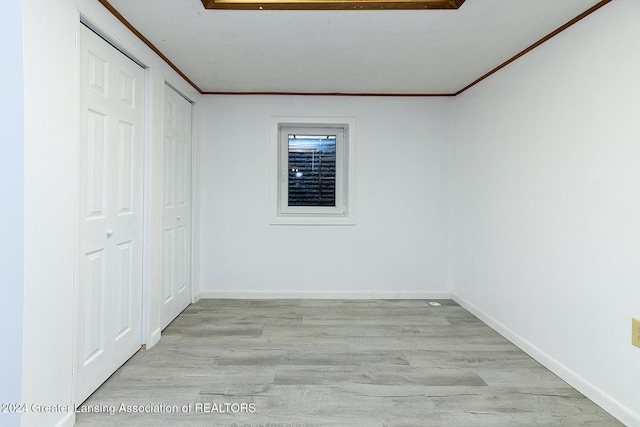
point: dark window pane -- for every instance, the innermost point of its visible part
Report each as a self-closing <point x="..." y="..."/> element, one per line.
<point x="312" y="170"/>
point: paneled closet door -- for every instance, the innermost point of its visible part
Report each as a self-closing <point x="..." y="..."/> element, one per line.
<point x="176" y="214"/>
<point x="109" y="279"/>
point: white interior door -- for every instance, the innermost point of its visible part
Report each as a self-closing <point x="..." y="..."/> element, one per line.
<point x="109" y="281"/>
<point x="176" y="214"/>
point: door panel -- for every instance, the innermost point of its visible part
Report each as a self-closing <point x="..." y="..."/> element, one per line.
<point x="167" y="267"/>
<point x="182" y="251"/>
<point x="125" y="287"/>
<point x="181" y="173"/>
<point x="168" y="171"/>
<point x="109" y="292"/>
<point x="94" y="306"/>
<point x="96" y="73"/>
<point x="96" y="167"/>
<point x="126" y="168"/>
<point x="176" y="214"/>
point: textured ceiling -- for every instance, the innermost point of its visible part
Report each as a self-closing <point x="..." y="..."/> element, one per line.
<point x="374" y="52"/>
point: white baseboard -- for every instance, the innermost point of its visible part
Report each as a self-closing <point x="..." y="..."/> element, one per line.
<point x="69" y="420"/>
<point x="206" y="294"/>
<point x="619" y="411"/>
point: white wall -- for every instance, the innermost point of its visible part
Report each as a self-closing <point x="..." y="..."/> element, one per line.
<point x="396" y="248"/>
<point x="11" y="214"/>
<point x="50" y="77"/>
<point x="546" y="204"/>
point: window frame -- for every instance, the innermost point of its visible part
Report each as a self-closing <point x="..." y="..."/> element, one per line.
<point x="340" y="202"/>
<point x="343" y="213"/>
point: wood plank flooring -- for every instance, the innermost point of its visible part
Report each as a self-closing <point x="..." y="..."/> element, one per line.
<point x="335" y="363"/>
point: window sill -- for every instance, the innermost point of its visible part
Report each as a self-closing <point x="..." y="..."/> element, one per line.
<point x="312" y="220"/>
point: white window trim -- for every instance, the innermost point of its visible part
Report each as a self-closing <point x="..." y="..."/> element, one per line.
<point x="289" y="216"/>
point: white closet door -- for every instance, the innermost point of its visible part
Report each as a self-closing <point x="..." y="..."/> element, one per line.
<point x="176" y="214"/>
<point x="109" y="281"/>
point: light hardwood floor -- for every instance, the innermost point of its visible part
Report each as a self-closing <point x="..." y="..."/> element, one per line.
<point x="344" y="363"/>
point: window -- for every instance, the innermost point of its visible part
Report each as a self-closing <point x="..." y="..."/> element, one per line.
<point x="313" y="171"/>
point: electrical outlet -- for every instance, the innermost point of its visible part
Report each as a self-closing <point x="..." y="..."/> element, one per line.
<point x="635" y="331"/>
